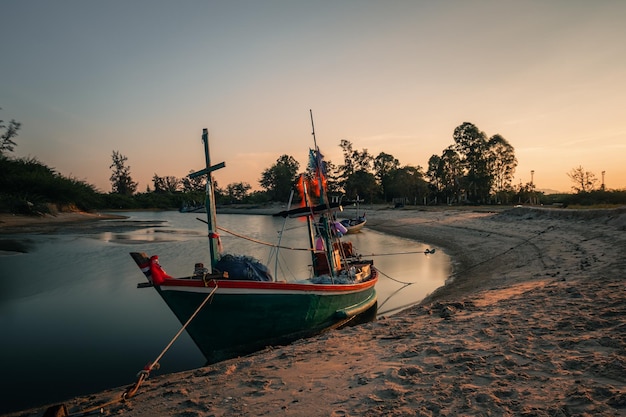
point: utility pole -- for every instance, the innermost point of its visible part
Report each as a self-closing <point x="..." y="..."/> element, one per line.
<point x="532" y="187"/>
<point x="603" y="180"/>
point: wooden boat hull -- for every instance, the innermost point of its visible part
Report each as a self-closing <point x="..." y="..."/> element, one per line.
<point x="193" y="209"/>
<point x="246" y="316"/>
<point x="353" y="226"/>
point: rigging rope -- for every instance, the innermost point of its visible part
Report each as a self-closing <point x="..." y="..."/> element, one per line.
<point x="262" y="242"/>
<point x="144" y="373"/>
<point x="258" y="241"/>
<point x="312" y="249"/>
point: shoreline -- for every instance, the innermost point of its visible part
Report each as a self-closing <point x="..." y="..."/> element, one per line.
<point x="48" y="223"/>
<point x="532" y="321"/>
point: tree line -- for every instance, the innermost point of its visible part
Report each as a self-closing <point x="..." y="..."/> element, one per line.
<point x="473" y="169"/>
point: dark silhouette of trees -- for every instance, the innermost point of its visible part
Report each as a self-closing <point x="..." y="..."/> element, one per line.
<point x="502" y="164"/>
<point x="193" y="184"/>
<point x="237" y="192"/>
<point x="407" y="182"/>
<point x="472" y="146"/>
<point x="384" y="164"/>
<point x="8" y="133"/>
<point x="363" y="184"/>
<point x="474" y="169"/>
<point x="121" y="181"/>
<point x="584" y="181"/>
<point x="167" y="184"/>
<point x="332" y="177"/>
<point x="279" y="179"/>
<point x="28" y="186"/>
<point x="445" y="173"/>
<point x="353" y="161"/>
<point x="380" y="177"/>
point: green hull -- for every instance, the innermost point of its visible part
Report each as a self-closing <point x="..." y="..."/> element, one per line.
<point x="232" y="325"/>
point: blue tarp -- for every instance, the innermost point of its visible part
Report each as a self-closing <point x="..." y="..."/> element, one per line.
<point x="243" y="267"/>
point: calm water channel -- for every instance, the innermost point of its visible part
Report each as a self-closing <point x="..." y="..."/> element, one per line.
<point x="74" y="322"/>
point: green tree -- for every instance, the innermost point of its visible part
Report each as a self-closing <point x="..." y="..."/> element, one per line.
<point x="362" y="183"/>
<point x="584" y="181"/>
<point x="193" y="184"/>
<point x="526" y="194"/>
<point x="354" y="163"/>
<point x="434" y="173"/>
<point x="348" y="166"/>
<point x="502" y="164"/>
<point x="172" y="184"/>
<point x="446" y="174"/>
<point x="167" y="184"/>
<point x="121" y="181"/>
<point x="238" y="191"/>
<point x="407" y="182"/>
<point x="159" y="186"/>
<point x="28" y="186"/>
<point x="472" y="146"/>
<point x="278" y="180"/>
<point x="332" y="177"/>
<point x="8" y="133"/>
<point x="383" y="165"/>
<point x="354" y="160"/>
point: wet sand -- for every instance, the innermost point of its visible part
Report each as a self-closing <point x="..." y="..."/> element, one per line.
<point x="532" y="322"/>
<point x="50" y="223"/>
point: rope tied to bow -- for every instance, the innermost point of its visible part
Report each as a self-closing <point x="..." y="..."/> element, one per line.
<point x="145" y="372"/>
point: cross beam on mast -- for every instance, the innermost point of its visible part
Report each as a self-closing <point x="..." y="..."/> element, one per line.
<point x="210" y="198"/>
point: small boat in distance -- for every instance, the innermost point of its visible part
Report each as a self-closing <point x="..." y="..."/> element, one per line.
<point x="355" y="224"/>
<point x="192" y="207"/>
<point x="249" y="308"/>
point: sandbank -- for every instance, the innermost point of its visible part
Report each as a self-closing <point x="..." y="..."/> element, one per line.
<point x="48" y="223"/>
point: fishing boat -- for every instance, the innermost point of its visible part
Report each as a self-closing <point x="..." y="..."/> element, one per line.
<point x="192" y="207"/>
<point x="355" y="224"/>
<point x="250" y="309"/>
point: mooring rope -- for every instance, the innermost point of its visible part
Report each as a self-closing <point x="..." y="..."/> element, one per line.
<point x="145" y="373"/>
<point x="504" y="252"/>
<point x="427" y="251"/>
<point x="393" y="279"/>
<point x="154" y="364"/>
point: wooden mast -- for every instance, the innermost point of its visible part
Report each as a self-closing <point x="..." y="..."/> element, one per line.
<point x="326" y="228"/>
<point x="209" y="201"/>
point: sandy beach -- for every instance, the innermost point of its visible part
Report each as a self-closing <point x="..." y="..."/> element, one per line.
<point x="531" y="323"/>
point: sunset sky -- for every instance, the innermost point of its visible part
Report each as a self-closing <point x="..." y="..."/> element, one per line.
<point x="145" y="77"/>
